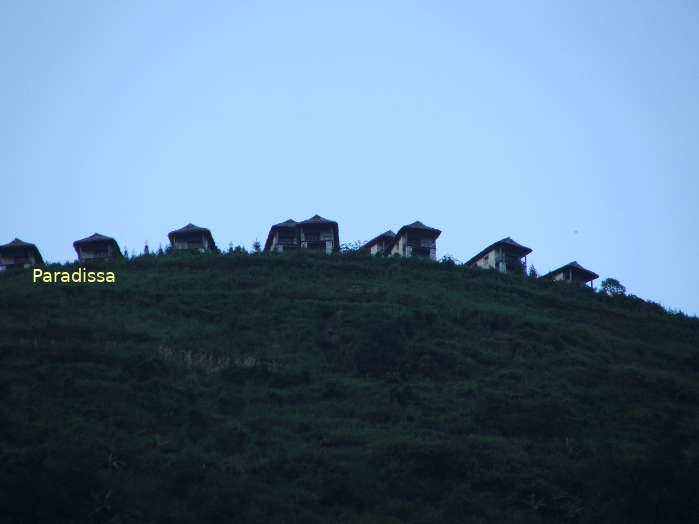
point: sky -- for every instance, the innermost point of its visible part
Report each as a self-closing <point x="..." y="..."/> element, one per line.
<point x="571" y="127"/>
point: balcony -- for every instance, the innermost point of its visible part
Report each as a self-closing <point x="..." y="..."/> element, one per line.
<point x="512" y="264"/>
<point x="421" y="252"/>
<point x="421" y="243"/>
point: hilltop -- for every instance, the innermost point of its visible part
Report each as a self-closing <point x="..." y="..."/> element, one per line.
<point x="261" y="388"/>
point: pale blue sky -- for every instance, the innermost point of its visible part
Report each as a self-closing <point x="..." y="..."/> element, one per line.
<point x="570" y="126"/>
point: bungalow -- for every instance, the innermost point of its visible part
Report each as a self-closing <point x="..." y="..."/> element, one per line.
<point x="316" y="234"/>
<point x="192" y="238"/>
<point x="378" y="245"/>
<point x="504" y="255"/>
<point x="319" y="234"/>
<point x="97" y="246"/>
<point x="19" y="254"/>
<point x="414" y="240"/>
<point x="573" y="273"/>
<point x="283" y="237"/>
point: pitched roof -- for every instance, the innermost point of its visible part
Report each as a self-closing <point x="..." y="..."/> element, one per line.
<point x="95" y="237"/>
<point x="388" y="234"/>
<point x="286" y="223"/>
<point x="505" y="242"/>
<point x="317" y="219"/>
<point x="191" y="228"/>
<point x="417" y="225"/>
<point x="188" y="229"/>
<point x="586" y="273"/>
<point x="17" y="244"/>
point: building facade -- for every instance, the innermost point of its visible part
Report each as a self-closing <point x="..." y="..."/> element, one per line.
<point x="506" y="256"/>
<point x="191" y="238"/>
<point x="414" y="240"/>
<point x="317" y="234"/>
<point x="573" y="273"/>
<point x="379" y="244"/>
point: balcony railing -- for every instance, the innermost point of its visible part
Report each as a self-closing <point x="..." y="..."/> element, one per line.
<point x="429" y="244"/>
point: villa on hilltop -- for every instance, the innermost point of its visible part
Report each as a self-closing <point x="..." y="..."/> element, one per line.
<point x="97" y="246"/>
<point x="314" y="235"/>
<point x="192" y="238"/>
<point x="19" y="254"/>
<point x="573" y="273"/>
<point x="317" y="234"/>
<point x="378" y="245"/>
<point x="414" y="240"/>
<point x="506" y="256"/>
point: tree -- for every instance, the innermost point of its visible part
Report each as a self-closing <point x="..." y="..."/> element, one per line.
<point x="533" y="272"/>
<point x="146" y="251"/>
<point x="612" y="287"/>
<point x="256" y="246"/>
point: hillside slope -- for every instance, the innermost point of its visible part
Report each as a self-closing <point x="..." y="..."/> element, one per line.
<point x="259" y="388"/>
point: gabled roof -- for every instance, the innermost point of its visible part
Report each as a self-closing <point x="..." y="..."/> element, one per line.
<point x="18" y="244"/>
<point x="191" y="228"/>
<point x="416" y="226"/>
<point x="317" y="219"/>
<point x="287" y="224"/>
<point x="94" y="238"/>
<point x="585" y="273"/>
<point x="506" y="242"/>
<point x="386" y="234"/>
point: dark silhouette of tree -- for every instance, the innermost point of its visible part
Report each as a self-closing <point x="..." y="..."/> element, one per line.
<point x="612" y="287"/>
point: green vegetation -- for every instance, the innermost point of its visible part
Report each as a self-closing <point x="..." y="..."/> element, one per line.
<point x="254" y="388"/>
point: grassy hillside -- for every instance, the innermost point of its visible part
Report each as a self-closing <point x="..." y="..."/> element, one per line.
<point x="256" y="388"/>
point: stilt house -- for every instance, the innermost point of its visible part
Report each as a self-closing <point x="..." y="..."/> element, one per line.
<point x="97" y="246"/>
<point x="573" y="273"/>
<point x="192" y="238"/>
<point x="506" y="256"/>
<point x="19" y="254"/>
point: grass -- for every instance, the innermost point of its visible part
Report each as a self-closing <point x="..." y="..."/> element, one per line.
<point x="262" y="388"/>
